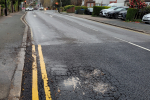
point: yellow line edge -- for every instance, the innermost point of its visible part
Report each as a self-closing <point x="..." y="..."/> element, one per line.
<point x="44" y="74"/>
<point x="35" y="95"/>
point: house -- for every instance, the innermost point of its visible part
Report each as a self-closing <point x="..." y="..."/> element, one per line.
<point x="88" y="3"/>
<point x="146" y="1"/>
<point x="106" y="2"/>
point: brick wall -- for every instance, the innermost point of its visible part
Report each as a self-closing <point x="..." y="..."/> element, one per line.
<point x="71" y="10"/>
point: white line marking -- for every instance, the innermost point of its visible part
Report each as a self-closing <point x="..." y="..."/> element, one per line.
<point x="34" y="15"/>
<point x="88" y="27"/>
<point x="95" y="30"/>
<point x="133" y="44"/>
<point x="50" y="15"/>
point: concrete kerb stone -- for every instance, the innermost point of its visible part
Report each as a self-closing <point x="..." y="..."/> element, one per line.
<point x="15" y="91"/>
<point x="114" y="25"/>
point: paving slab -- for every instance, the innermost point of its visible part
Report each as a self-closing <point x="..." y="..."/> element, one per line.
<point x="11" y="35"/>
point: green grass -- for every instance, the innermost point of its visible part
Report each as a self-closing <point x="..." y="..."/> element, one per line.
<point x="134" y="20"/>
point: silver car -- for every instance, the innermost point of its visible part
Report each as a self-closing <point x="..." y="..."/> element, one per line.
<point x="103" y="12"/>
<point x="29" y="9"/>
<point x="41" y="8"/>
<point x="146" y="18"/>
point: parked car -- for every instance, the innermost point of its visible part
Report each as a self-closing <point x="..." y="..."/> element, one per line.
<point x="29" y="9"/>
<point x="35" y="8"/>
<point x="41" y="8"/>
<point x="104" y="11"/>
<point x="114" y="13"/>
<point x="146" y="18"/>
<point x="89" y="11"/>
<point x="122" y="15"/>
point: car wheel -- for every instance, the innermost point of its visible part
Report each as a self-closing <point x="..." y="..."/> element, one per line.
<point x="125" y="17"/>
<point x="116" y="16"/>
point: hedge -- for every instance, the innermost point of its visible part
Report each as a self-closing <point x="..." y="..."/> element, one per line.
<point x="67" y="7"/>
<point x="62" y="8"/>
<point x="106" y="7"/>
<point x="131" y="14"/>
<point x="80" y="7"/>
<point x="97" y="9"/>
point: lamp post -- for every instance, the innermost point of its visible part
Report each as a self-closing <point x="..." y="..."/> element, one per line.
<point x="5" y="7"/>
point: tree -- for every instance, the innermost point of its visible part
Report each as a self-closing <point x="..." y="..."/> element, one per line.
<point x="47" y="3"/>
<point x="76" y="2"/>
<point x="65" y="2"/>
<point x="137" y="4"/>
<point x="42" y="2"/>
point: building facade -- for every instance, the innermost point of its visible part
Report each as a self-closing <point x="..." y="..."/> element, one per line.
<point x="107" y="2"/>
<point x="88" y="3"/>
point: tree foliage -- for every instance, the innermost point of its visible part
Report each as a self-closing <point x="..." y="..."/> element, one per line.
<point x="137" y="4"/>
<point x="47" y="3"/>
<point x="76" y="2"/>
<point x="65" y="2"/>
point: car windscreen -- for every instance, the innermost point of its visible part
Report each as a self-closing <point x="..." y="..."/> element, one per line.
<point x="119" y="9"/>
<point x="112" y="8"/>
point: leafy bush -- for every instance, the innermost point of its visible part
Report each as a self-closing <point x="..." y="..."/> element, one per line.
<point x="83" y="7"/>
<point x="97" y="9"/>
<point x="131" y="14"/>
<point x="68" y="6"/>
<point x="142" y="12"/>
<point x="106" y="7"/>
<point x="147" y="9"/>
<point x="62" y="8"/>
<point x="77" y="7"/>
<point x="80" y="7"/>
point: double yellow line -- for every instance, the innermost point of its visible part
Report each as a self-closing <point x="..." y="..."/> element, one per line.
<point x="35" y="95"/>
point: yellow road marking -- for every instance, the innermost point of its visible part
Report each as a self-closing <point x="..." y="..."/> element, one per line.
<point x="34" y="76"/>
<point x="44" y="74"/>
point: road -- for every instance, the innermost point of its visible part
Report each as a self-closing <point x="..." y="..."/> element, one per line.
<point x="79" y="59"/>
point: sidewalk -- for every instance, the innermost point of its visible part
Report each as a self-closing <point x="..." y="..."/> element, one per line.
<point x="140" y="27"/>
<point x="11" y="35"/>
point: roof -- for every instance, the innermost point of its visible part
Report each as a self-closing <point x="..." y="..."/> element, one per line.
<point x="90" y="2"/>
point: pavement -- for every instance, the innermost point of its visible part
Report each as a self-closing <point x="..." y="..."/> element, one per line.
<point x="11" y="37"/>
<point x="139" y="27"/>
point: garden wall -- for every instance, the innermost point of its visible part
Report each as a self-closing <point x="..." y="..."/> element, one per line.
<point x="71" y="10"/>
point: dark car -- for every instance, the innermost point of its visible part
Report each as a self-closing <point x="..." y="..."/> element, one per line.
<point x="114" y="13"/>
<point x="35" y="8"/>
<point x="122" y="15"/>
<point x="103" y="12"/>
<point x="89" y="11"/>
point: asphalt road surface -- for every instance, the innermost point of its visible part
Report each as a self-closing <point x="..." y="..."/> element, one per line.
<point x="79" y="59"/>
